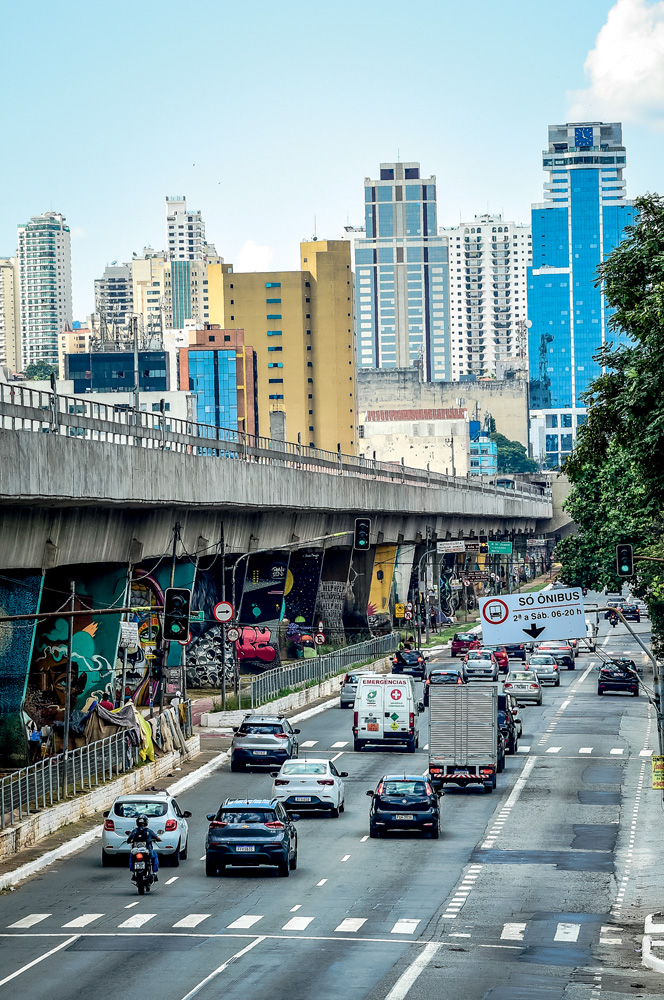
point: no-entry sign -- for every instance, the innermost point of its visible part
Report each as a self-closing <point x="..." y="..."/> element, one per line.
<point x="537" y="617"/>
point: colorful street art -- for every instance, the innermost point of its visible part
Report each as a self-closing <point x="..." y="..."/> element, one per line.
<point x="378" y="610"/>
<point x="356" y="599"/>
<point x="19" y="595"/>
<point x="332" y="593"/>
<point x="302" y="583"/>
<point x="266" y="581"/>
<point x="204" y="652"/>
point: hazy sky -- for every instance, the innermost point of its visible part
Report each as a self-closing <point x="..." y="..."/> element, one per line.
<point x="265" y="115"/>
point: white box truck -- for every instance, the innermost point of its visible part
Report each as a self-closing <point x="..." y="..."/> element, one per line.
<point x="463" y="735"/>
<point x="385" y="711"/>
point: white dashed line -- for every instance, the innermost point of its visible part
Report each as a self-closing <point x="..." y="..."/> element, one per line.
<point x="137" y="920"/>
<point x="350" y="925"/>
<point x="345" y="857"/>
<point x="567" y="932"/>
<point x="308" y="744"/>
<point x="405" y="926"/>
<point x="171" y="880"/>
<point x="243" y="923"/>
<point x="523" y="749"/>
<point x="513" y="932"/>
<point x="339" y="745"/>
<point x="322" y="882"/>
<point x="554" y="750"/>
<point x="585" y="749"/>
<point x="297" y="924"/>
<point x="192" y="920"/>
<point x="29" y="921"/>
<point x="83" y="920"/>
<point x="295" y="908"/>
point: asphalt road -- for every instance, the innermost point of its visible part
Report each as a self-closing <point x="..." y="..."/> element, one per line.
<point x="524" y="896"/>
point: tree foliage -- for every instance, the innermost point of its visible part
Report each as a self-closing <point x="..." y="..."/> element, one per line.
<point x="617" y="466"/>
<point x="512" y="455"/>
<point x="39" y="371"/>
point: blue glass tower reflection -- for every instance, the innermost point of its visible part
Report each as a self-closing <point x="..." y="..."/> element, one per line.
<point x="578" y="225"/>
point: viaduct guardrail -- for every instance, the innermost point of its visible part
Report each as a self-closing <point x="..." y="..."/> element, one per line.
<point x="35" y="410"/>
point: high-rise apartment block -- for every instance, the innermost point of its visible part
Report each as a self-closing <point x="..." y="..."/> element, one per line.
<point x="577" y="226"/>
<point x="74" y="341"/>
<point x="401" y="271"/>
<point x="44" y="260"/>
<point x="300" y="324"/>
<point x="185" y="231"/>
<point x="114" y="295"/>
<point x="10" y="317"/>
<point x="488" y="267"/>
<point x="220" y="370"/>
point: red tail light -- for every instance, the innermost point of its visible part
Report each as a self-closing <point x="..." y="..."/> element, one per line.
<point x="508" y="685"/>
<point x="534" y="687"/>
<point x="420" y="659"/>
<point x="217" y="823"/>
<point x="138" y="857"/>
<point x="281" y="736"/>
<point x="486" y="771"/>
<point x="428" y="681"/>
<point x="355" y="720"/>
<point x="429" y="789"/>
<point x="411" y="720"/>
<point x="109" y="824"/>
<point x="460" y="681"/>
<point x="394" y="659"/>
<point x="275" y="824"/>
<point x="171" y="824"/>
<point x="379" y="790"/>
<point x="325" y="781"/>
<point x="281" y="781"/>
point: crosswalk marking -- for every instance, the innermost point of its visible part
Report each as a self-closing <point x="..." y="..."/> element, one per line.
<point x="137" y="920"/>
<point x="83" y="920"/>
<point x="30" y="920"/>
<point x="585" y="749"/>
<point x="617" y="751"/>
<point x="192" y="920"/>
<point x="297" y="924"/>
<point x="405" y="926"/>
<point x="645" y="753"/>
<point x="339" y="745"/>
<point x="523" y="749"/>
<point x="554" y="750"/>
<point x="513" y="932"/>
<point x="567" y="932"/>
<point x="351" y="924"/>
<point x="243" y="923"/>
<point x="308" y="744"/>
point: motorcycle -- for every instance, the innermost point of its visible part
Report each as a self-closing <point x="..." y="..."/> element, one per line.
<point x="613" y="620"/>
<point x="142" y="873"/>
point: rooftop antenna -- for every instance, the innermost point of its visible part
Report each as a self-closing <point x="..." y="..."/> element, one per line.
<point x="398" y="155"/>
<point x="315" y="233"/>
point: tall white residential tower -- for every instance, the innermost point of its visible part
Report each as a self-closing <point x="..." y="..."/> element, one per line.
<point x="44" y="261"/>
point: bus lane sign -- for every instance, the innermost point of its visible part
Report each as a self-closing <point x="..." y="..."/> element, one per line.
<point x="536" y="617"/>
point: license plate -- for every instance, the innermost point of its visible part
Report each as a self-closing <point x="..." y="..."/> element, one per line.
<point x="303" y="798"/>
<point x="372" y="727"/>
<point x="404" y="816"/>
<point x="245" y="848"/>
<point x="139" y="865"/>
<point x="260" y="753"/>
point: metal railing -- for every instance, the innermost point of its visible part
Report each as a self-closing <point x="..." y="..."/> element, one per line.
<point x="22" y="408"/>
<point x="317" y="669"/>
<point x="52" y="779"/>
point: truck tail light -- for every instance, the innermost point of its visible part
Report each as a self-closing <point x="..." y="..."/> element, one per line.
<point x="355" y="719"/>
<point x="411" y="720"/>
<point x="109" y="824"/>
<point x="171" y="824"/>
<point x="486" y="772"/>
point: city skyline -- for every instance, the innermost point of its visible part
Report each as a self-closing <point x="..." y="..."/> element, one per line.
<point x="115" y="206"/>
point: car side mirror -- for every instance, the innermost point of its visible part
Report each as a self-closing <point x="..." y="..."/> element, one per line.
<point x="295" y="817"/>
<point x="420" y="706"/>
<point x="210" y="817"/>
<point x="186" y="814"/>
<point x="343" y="774"/>
<point x="297" y="730"/>
<point x="370" y="792"/>
<point x="235" y="728"/>
<point x="274" y="774"/>
<point x="106" y="814"/>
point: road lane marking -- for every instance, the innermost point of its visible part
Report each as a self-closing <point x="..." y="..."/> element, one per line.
<point x="406" y="980"/>
<point x="617" y="751"/>
<point x="192" y="920"/>
<point x="244" y="923"/>
<point x="171" y="880"/>
<point x="365" y="837"/>
<point x="567" y="932"/>
<point x="513" y="932"/>
<point x="297" y="924"/>
<point x="83" y="920"/>
<point x="554" y="750"/>
<point x="202" y="859"/>
<point x="523" y="749"/>
<point x="30" y="920"/>
<point x="222" y="968"/>
<point x="337" y="756"/>
<point x="36" y="961"/>
<point x="137" y="920"/>
<point x="350" y="924"/>
<point x="645" y="753"/>
<point x="339" y="745"/>
<point x="322" y="882"/>
<point x="458" y="934"/>
<point x="345" y="857"/>
<point x="294" y="909"/>
<point x="129" y="905"/>
<point x="308" y="743"/>
<point x="405" y="926"/>
<point x="585" y="749"/>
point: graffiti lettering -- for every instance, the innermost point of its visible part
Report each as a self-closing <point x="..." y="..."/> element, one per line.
<point x="254" y="644"/>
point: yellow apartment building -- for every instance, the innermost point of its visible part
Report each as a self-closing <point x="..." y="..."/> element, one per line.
<point x="300" y="323"/>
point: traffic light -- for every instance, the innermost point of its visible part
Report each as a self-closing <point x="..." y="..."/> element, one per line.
<point x="176" y="613"/>
<point x="624" y="560"/>
<point x="484" y="545"/>
<point x="361" y="540"/>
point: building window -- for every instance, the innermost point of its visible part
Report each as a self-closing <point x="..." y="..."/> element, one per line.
<point x="275" y="396"/>
<point x="279" y="348"/>
<point x="274" y="380"/>
<point x="273" y="316"/>
<point x="271" y="284"/>
<point x="274" y="333"/>
<point x="272" y="301"/>
<point x="275" y="364"/>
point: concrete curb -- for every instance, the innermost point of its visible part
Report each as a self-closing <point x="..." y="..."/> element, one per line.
<point x="651" y="928"/>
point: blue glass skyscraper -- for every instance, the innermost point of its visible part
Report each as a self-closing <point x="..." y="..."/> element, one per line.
<point x="401" y="273"/>
<point x="578" y="225"/>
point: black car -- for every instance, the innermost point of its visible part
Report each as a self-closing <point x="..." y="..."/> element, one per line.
<point x="404" y="802"/>
<point x="409" y="661"/>
<point x="516" y="650"/>
<point x="617" y="676"/>
<point x="502" y="750"/>
<point x="617" y="603"/>
<point x="507" y="726"/>
<point x="631" y="613"/>
<point x="251" y="832"/>
<point x="442" y="675"/>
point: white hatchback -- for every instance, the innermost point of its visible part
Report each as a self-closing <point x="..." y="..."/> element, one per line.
<point x="310" y="786"/>
<point x="165" y="818"/>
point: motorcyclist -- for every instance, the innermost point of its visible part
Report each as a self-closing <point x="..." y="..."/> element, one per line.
<point x="613" y="619"/>
<point x="144" y="835"/>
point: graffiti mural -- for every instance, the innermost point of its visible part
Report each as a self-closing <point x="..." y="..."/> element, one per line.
<point x="356" y="599"/>
<point x="378" y="609"/>
<point x="19" y="595"/>
<point x="302" y="586"/>
<point x="332" y="594"/>
<point x="261" y="609"/>
<point x="403" y="567"/>
<point x="204" y="652"/>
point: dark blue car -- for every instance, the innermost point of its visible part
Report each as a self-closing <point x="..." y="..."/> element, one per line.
<point x="251" y="832"/>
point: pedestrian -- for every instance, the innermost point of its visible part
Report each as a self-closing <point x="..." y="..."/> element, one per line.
<point x="433" y="620"/>
<point x="108" y="705"/>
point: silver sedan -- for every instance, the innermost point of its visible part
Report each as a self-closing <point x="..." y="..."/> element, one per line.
<point x="546" y="667"/>
<point x="524" y="685"/>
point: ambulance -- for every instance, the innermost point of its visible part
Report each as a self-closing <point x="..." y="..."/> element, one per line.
<point x="385" y="712"/>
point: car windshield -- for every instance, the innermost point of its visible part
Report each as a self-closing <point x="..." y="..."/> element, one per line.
<point x="542" y="660"/>
<point x="130" y="810"/>
<point x="351" y="679"/>
<point x="259" y="729"/>
<point x="521" y="676"/>
<point x="403" y="788"/>
<point x="460" y="637"/>
<point x="238" y="817"/>
<point x="304" y="767"/>
<point x="448" y="677"/>
<point x="475" y="654"/>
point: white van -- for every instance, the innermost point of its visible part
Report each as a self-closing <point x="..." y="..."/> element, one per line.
<point x="591" y="635"/>
<point x="385" y="711"/>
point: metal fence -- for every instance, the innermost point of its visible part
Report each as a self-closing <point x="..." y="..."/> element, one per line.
<point x="22" y="408"/>
<point x="316" y="669"/>
<point x="52" y="779"/>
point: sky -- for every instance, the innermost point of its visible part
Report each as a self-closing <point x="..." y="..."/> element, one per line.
<point x="268" y="116"/>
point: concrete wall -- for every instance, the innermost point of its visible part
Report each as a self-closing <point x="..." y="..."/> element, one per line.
<point x="401" y="388"/>
<point x="442" y="444"/>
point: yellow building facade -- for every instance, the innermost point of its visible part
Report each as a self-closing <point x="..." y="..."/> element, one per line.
<point x="300" y="323"/>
